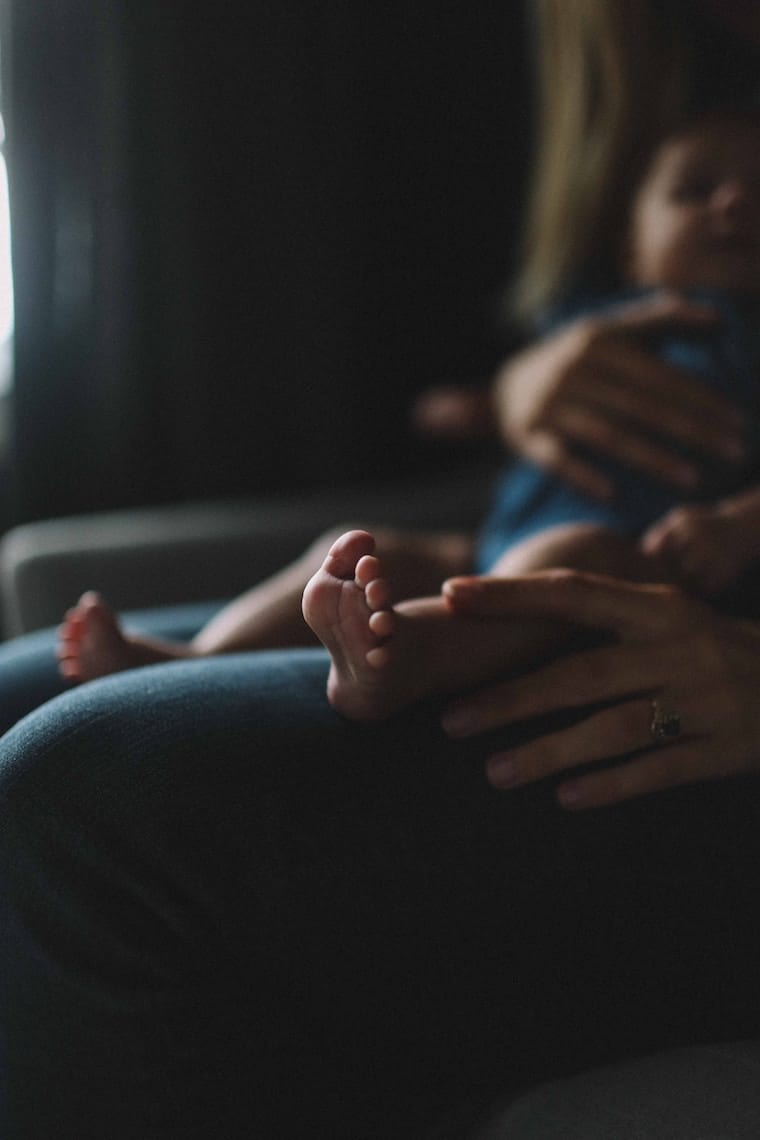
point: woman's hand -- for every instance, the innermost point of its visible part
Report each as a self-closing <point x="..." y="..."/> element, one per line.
<point x="456" y="412"/>
<point x="708" y="546"/>
<point x="667" y="649"/>
<point x="702" y="546"/>
<point x="595" y="383"/>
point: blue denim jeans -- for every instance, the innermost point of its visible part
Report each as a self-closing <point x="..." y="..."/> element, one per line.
<point x="225" y="911"/>
<point x="29" y="669"/>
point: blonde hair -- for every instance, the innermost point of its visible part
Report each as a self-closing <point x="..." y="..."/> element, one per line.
<point x="612" y="80"/>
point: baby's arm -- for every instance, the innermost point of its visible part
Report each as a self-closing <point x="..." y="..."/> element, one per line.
<point x="708" y="546"/>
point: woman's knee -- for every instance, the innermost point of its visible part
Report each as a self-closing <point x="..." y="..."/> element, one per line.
<point x="28" y="676"/>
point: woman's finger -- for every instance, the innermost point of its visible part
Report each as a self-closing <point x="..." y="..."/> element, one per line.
<point x="573" y="682"/>
<point x="634" y="387"/>
<point x="687" y="762"/>
<point x="592" y="600"/>
<point x="677" y="403"/>
<point x="592" y="677"/>
<point x="587" y="425"/>
<point x="661" y="534"/>
<point x="628" y="378"/>
<point x="621" y="730"/>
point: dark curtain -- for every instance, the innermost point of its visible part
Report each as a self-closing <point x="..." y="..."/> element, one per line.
<point x="73" y="215"/>
<point x="246" y="235"/>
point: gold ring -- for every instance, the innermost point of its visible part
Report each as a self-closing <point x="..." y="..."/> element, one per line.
<point x="666" y="722"/>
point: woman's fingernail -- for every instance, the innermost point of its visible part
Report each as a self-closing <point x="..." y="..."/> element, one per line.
<point x="503" y="772"/>
<point x="458" y="722"/>
<point x="461" y="585"/>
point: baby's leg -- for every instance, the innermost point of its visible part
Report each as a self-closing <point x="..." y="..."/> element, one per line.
<point x="92" y="642"/>
<point x="581" y="546"/>
<point x="385" y="657"/>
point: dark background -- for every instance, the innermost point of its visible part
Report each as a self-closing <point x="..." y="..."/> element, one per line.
<point x="245" y="236"/>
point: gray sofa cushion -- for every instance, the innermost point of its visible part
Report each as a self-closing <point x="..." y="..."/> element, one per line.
<point x="711" y="1093"/>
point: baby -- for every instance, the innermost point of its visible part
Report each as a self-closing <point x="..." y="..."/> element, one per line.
<point x="694" y="228"/>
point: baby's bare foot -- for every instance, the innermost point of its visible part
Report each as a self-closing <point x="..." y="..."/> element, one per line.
<point x="347" y="604"/>
<point x="91" y="643"/>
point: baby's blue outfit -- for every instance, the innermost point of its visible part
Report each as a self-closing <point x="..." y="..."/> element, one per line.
<point x="727" y="358"/>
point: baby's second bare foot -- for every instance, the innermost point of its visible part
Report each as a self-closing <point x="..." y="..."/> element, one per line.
<point x="347" y="604"/>
<point x="91" y="643"/>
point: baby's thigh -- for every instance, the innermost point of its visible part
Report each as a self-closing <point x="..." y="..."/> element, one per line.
<point x="577" y="546"/>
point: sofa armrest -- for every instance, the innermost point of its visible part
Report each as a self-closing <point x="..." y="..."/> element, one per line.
<point x="174" y="554"/>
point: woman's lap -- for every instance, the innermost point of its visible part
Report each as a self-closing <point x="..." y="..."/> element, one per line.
<point x="235" y="911"/>
<point x="214" y="828"/>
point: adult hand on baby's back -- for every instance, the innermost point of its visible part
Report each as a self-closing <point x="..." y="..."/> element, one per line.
<point x="669" y="654"/>
<point x="595" y="383"/>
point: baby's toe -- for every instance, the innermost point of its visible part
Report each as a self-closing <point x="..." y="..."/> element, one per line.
<point x="367" y="570"/>
<point x="382" y="623"/>
<point x="378" y="594"/>
<point x="379" y="657"/>
<point x="70" y="669"/>
<point x="346" y="552"/>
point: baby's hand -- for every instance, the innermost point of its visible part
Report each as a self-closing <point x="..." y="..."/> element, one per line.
<point x="702" y="546"/>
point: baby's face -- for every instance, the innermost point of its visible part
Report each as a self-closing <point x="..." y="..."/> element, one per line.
<point x="696" y="217"/>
